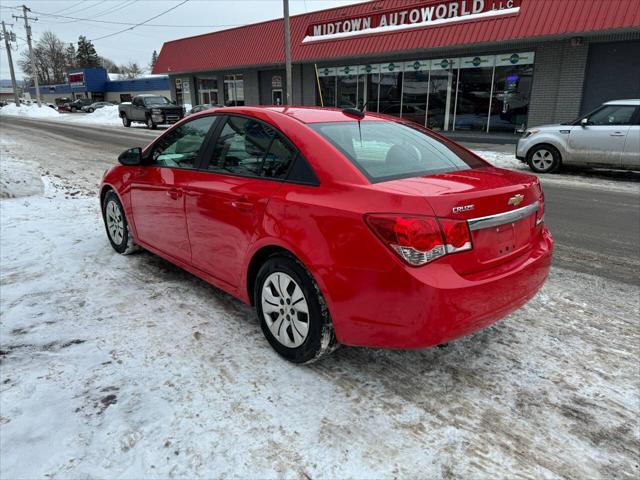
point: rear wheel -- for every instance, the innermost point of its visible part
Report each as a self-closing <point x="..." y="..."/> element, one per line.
<point x="125" y="121"/>
<point x="73" y="109"/>
<point x="543" y="159"/>
<point x="292" y="311"/>
<point x="151" y="125"/>
<point x="116" y="224"/>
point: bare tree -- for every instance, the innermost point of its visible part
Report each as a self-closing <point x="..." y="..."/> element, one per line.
<point x="131" y="70"/>
<point x="50" y="57"/>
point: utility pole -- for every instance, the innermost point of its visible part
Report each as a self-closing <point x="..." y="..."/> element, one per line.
<point x="7" y="40"/>
<point x="25" y="9"/>
<point x="287" y="53"/>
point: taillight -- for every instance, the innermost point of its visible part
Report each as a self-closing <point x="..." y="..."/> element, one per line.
<point x="419" y="240"/>
<point x="540" y="212"/>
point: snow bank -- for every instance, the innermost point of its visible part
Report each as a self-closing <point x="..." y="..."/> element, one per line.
<point x="102" y="116"/>
<point x="29" y="111"/>
<point x="18" y="178"/>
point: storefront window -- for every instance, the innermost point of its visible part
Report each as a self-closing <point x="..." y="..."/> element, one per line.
<point x="347" y="88"/>
<point x="473" y="93"/>
<point x="442" y="85"/>
<point x="233" y="90"/>
<point x="481" y="93"/>
<point x="415" y="92"/>
<point x="390" y="89"/>
<point x="208" y="90"/>
<point x="511" y="94"/>
<point x="372" y="83"/>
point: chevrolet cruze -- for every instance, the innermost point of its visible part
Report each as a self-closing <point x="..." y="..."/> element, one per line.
<point x="339" y="227"/>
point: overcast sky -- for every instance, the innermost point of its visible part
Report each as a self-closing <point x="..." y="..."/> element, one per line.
<point x="192" y="18"/>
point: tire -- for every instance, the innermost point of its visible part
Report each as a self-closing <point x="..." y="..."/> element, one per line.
<point x="282" y="290"/>
<point x="115" y="223"/>
<point x="125" y="121"/>
<point x="73" y="109"/>
<point x="151" y="125"/>
<point x="91" y="110"/>
<point x="544" y="159"/>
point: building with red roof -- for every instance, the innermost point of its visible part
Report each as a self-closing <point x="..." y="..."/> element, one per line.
<point x="453" y="65"/>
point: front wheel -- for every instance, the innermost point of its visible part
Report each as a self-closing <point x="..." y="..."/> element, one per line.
<point x="91" y="110"/>
<point x="151" y="125"/>
<point x="543" y="159"/>
<point x="73" y="109"/>
<point x="292" y="311"/>
<point x="125" y="121"/>
<point x="116" y="224"/>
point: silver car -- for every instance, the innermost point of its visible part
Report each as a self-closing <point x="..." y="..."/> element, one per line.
<point x="608" y="137"/>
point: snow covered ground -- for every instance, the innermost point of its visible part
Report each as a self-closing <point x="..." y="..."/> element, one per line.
<point x="129" y="367"/>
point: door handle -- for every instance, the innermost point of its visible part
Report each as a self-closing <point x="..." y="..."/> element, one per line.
<point x="174" y="193"/>
<point x="242" y="204"/>
<point x="617" y="134"/>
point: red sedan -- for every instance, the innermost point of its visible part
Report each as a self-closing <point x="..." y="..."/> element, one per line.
<point x="339" y="227"/>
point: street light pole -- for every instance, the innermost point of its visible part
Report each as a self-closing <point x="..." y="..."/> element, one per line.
<point x="287" y="53"/>
<point x="7" y="38"/>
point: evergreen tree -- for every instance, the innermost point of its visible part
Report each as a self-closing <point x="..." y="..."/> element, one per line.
<point x="86" y="55"/>
<point x="70" y="53"/>
<point x="154" y="59"/>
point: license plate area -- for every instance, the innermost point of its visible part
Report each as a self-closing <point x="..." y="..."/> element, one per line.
<point x="500" y="241"/>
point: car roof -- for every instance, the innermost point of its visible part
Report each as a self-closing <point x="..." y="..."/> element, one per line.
<point x="634" y="102"/>
<point x="304" y="114"/>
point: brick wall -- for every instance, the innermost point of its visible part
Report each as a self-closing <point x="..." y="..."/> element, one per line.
<point x="558" y="79"/>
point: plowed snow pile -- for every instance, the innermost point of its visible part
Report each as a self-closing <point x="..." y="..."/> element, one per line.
<point x="29" y="111"/>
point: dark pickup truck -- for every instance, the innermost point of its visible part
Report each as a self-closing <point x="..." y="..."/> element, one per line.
<point x="153" y="110"/>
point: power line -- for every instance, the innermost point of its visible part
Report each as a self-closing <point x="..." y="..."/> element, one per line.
<point x="72" y="6"/>
<point x="111" y="9"/>
<point x="112" y="22"/>
<point x="141" y="23"/>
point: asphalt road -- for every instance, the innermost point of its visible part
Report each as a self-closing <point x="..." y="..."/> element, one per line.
<point x="596" y="230"/>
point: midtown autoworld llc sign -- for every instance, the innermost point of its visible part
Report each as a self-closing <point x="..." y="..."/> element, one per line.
<point x="428" y="14"/>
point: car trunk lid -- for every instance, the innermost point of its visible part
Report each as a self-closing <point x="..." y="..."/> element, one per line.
<point x="499" y="205"/>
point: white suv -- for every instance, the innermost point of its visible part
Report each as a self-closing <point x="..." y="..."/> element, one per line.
<point x="608" y="137"/>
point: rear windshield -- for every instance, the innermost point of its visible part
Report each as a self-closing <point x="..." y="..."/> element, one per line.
<point x="156" y="101"/>
<point x="385" y="150"/>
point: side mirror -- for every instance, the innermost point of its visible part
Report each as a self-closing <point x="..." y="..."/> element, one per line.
<point x="131" y="157"/>
<point x="584" y="122"/>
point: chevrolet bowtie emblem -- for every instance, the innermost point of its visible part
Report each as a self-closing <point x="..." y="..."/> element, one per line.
<point x="516" y="200"/>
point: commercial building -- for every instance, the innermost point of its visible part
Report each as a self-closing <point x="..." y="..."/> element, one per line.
<point x="97" y="84"/>
<point x="471" y="65"/>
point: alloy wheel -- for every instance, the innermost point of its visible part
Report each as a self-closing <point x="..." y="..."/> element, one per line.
<point x="115" y="222"/>
<point x="542" y="159"/>
<point x="285" y="309"/>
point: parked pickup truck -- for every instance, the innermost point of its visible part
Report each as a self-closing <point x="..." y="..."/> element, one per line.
<point x="150" y="109"/>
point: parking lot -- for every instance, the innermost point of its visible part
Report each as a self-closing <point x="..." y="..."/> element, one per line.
<point x="129" y="367"/>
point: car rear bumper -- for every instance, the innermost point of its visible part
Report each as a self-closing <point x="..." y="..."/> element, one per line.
<point x="427" y="306"/>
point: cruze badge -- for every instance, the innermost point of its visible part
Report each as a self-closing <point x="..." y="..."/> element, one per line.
<point x="464" y="208"/>
<point x="516" y="200"/>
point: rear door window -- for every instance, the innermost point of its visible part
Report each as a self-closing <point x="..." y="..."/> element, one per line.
<point x="614" y="115"/>
<point x="385" y="150"/>
<point x="251" y="148"/>
<point x="241" y="147"/>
